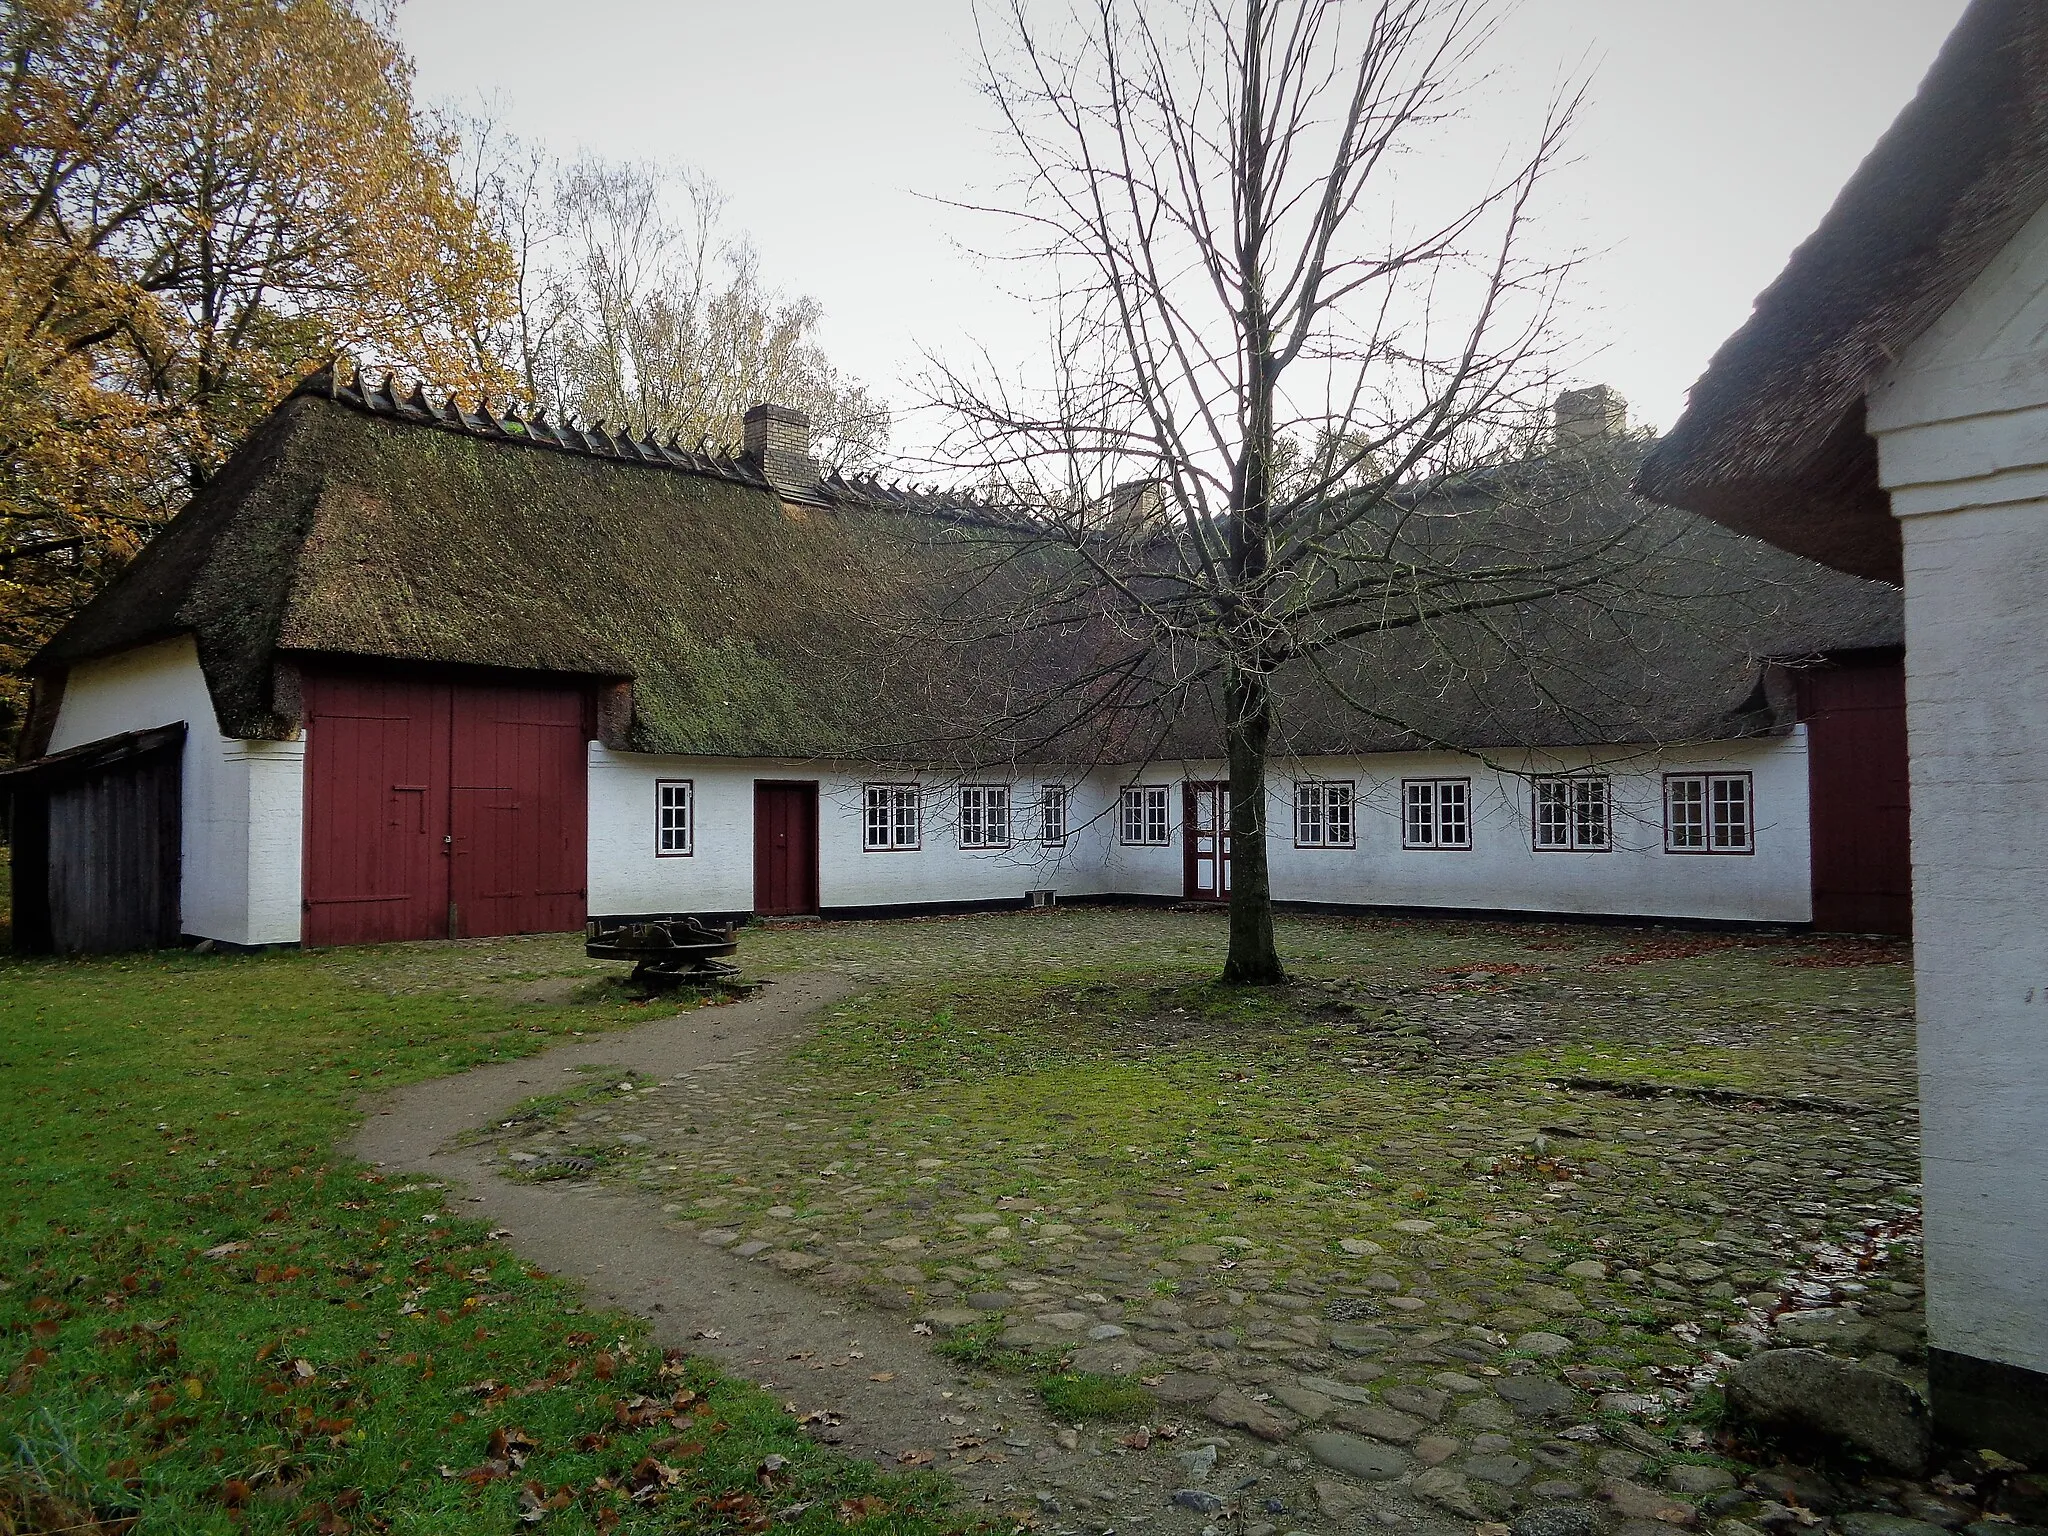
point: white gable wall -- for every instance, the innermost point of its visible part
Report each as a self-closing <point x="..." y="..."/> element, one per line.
<point x="239" y="877"/>
<point x="1962" y="430"/>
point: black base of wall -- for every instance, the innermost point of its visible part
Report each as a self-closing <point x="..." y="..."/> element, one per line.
<point x="1988" y="1405"/>
<point x="229" y="947"/>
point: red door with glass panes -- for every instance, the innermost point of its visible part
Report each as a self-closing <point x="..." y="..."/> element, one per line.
<point x="442" y="809"/>
<point x="1205" y="833"/>
<point x="785" y="848"/>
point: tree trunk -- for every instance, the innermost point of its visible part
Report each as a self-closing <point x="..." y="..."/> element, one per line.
<point x="1254" y="958"/>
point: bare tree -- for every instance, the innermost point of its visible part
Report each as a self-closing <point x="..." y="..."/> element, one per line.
<point x="636" y="305"/>
<point x="1280" y="338"/>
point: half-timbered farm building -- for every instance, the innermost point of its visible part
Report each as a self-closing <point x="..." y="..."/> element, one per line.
<point x="408" y="671"/>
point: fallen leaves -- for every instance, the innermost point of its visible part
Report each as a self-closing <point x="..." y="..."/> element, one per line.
<point x="916" y="1458"/>
<point x="223" y="1250"/>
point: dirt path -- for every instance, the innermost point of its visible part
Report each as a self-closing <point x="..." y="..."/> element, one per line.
<point x="810" y="1349"/>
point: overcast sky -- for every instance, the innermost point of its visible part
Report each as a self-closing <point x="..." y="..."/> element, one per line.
<point x="1717" y="134"/>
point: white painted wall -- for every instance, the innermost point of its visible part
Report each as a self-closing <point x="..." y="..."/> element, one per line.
<point x="239" y="876"/>
<point x="1500" y="870"/>
<point x="1962" y="430"/>
<point x="244" y="819"/>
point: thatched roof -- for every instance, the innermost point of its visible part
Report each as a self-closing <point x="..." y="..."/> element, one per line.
<point x="1772" y="442"/>
<point x="359" y="523"/>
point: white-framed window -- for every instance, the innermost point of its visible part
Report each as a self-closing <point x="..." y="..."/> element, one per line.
<point x="1709" y="813"/>
<point x="1574" y="811"/>
<point x="675" y="818"/>
<point x="1323" y="814"/>
<point x="1052" y="814"/>
<point x="984" y="815"/>
<point x="1143" y="814"/>
<point x="1436" y="813"/>
<point x="892" y="821"/>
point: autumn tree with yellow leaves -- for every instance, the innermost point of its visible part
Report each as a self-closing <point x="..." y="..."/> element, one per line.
<point x="201" y="200"/>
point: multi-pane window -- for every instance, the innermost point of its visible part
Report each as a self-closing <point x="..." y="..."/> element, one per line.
<point x="1709" y="813"/>
<point x="1436" y="813"/>
<point x="892" y="817"/>
<point x="984" y="816"/>
<point x="1322" y="815"/>
<point x="674" y="812"/>
<point x="1143" y="814"/>
<point x="1052" y="813"/>
<point x="1574" y="811"/>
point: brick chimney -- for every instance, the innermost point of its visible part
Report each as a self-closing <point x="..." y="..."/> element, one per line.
<point x="1592" y="415"/>
<point x="778" y="443"/>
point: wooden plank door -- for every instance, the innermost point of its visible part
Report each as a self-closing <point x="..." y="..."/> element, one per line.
<point x="1855" y="714"/>
<point x="439" y="809"/>
<point x="376" y="809"/>
<point x="517" y="823"/>
<point x="785" y="848"/>
<point x="1205" y="835"/>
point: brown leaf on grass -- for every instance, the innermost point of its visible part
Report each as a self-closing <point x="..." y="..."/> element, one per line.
<point x="233" y="1493"/>
<point x="773" y="1470"/>
<point x="511" y="1445"/>
<point x="222" y="1250"/>
<point x="536" y="1503"/>
<point x="1136" y="1440"/>
<point x="867" y="1507"/>
<point x="742" y="1508"/>
<point x="916" y="1458"/>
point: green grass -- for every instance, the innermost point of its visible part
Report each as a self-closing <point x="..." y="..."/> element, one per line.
<point x="1071" y="1396"/>
<point x="213" y="1321"/>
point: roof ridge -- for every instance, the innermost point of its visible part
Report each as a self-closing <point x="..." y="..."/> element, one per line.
<point x="509" y="425"/>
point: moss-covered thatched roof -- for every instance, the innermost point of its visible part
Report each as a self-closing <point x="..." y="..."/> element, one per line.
<point x="849" y="624"/>
<point x="746" y="625"/>
<point x="1772" y="441"/>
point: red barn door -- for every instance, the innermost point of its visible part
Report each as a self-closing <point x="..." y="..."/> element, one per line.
<point x="440" y="809"/>
<point x="518" y="787"/>
<point x="376" y="809"/>
<point x="1855" y="713"/>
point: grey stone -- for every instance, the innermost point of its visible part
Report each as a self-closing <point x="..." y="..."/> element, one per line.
<point x="1198" y="1463"/>
<point x="1200" y="1500"/>
<point x="748" y="1249"/>
<point x="1849" y="1406"/>
<point x="1186" y="1390"/>
<point x="1535" y="1397"/>
<point x="1337" y="1499"/>
<point x="1556" y="1488"/>
<point x="1868" y="1523"/>
<point x="991" y="1301"/>
<point x="1507" y="1471"/>
<point x="1103" y="1332"/>
<point x="1359" y="1339"/>
<point x="1557" y="1520"/>
<point x="1342" y="1391"/>
<point x="1233" y="1410"/>
<point x="1381" y="1423"/>
<point x="1426" y="1402"/>
<point x="1548" y="1345"/>
<point x="1686" y="1478"/>
<point x="1485" y="1413"/>
<point x="1447" y="1490"/>
<point x="1113" y="1357"/>
<point x="1365" y="1459"/>
<point x="1312" y="1406"/>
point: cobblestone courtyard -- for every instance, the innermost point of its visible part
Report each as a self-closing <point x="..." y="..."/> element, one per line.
<point x="1465" y="1221"/>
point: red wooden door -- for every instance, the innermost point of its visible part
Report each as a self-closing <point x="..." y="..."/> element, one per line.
<point x="785" y="848"/>
<point x="1205" y="841"/>
<point x="1855" y="713"/>
<point x="440" y="809"/>
<point x="376" y="809"/>
<point x="516" y="818"/>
